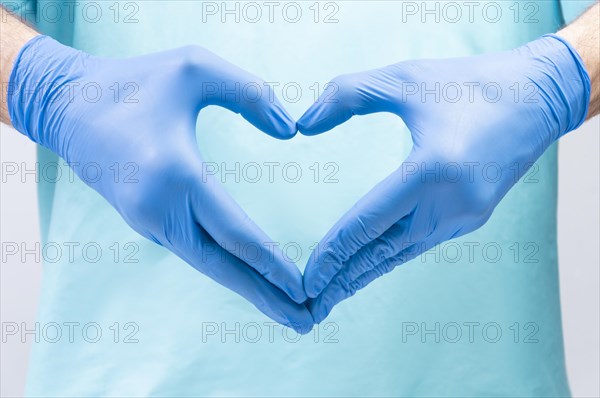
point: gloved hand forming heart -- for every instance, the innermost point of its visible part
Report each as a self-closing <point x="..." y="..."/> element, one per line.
<point x="477" y="125"/>
<point x="141" y="112"/>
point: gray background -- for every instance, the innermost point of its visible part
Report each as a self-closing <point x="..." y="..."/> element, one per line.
<point x="579" y="237"/>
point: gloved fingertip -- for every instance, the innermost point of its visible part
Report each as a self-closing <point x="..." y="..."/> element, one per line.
<point x="289" y="279"/>
<point x="289" y="130"/>
<point x="317" y="310"/>
<point x="307" y="127"/>
<point x="311" y="305"/>
<point x="304" y="325"/>
<point x="312" y="291"/>
<point x="298" y="295"/>
<point x="282" y="125"/>
<point x="303" y="329"/>
<point x="320" y="119"/>
<point x="313" y="281"/>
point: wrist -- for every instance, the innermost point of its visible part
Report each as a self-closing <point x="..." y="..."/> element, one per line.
<point x="567" y="88"/>
<point x="38" y="88"/>
<point x="583" y="35"/>
<point x="13" y="36"/>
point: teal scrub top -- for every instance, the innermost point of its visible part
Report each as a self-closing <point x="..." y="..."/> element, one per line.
<point x="478" y="316"/>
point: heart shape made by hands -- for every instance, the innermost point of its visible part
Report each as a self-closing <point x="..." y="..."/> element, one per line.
<point x="404" y="215"/>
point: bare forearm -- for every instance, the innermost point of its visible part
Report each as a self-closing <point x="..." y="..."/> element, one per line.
<point x="584" y="35"/>
<point x="13" y="35"/>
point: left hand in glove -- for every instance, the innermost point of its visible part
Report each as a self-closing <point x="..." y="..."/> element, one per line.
<point x="502" y="110"/>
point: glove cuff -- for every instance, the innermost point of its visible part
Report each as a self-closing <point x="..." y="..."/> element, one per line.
<point x="572" y="80"/>
<point x="38" y="89"/>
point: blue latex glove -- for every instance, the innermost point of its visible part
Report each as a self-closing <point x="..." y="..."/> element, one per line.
<point x="144" y="122"/>
<point x="493" y="114"/>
